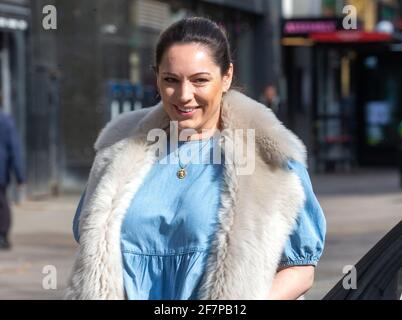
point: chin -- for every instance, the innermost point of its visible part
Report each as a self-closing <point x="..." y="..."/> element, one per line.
<point x="186" y="124"/>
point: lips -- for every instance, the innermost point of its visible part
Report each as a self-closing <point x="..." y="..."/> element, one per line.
<point x="186" y="111"/>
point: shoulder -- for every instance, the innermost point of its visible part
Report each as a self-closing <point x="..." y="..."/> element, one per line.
<point x="120" y="128"/>
<point x="312" y="206"/>
<point x="301" y="171"/>
<point x="275" y="142"/>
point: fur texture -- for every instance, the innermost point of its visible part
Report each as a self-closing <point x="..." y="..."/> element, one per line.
<point x="256" y="215"/>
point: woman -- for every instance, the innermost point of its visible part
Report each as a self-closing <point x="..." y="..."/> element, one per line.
<point x="183" y="229"/>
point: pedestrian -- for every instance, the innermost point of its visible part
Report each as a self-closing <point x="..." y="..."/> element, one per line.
<point x="270" y="98"/>
<point x="10" y="161"/>
<point x="184" y="229"/>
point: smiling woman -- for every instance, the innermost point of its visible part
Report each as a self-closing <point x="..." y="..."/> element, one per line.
<point x="151" y="230"/>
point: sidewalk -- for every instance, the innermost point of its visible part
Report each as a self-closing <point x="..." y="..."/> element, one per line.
<point x="359" y="209"/>
<point x="41" y="236"/>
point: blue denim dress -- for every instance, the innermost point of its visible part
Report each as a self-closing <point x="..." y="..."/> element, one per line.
<point x="167" y="231"/>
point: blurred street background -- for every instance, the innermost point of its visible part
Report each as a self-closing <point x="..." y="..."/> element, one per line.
<point x="330" y="69"/>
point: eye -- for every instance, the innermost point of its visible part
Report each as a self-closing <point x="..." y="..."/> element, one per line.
<point x="170" y="80"/>
<point x="201" y="80"/>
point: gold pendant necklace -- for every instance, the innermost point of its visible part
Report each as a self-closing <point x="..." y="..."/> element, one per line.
<point x="182" y="173"/>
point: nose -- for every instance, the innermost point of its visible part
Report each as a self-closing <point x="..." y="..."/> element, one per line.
<point x="185" y="92"/>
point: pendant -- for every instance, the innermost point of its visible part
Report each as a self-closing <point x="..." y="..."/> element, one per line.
<point x="181" y="173"/>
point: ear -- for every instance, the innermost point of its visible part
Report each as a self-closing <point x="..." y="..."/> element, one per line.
<point x="227" y="78"/>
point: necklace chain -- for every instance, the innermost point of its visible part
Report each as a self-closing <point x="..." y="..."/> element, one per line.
<point x="181" y="173"/>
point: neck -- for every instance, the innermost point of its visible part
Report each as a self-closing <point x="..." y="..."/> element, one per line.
<point x="191" y="134"/>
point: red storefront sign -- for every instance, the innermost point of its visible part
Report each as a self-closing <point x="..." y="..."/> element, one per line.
<point x="350" y="36"/>
<point x="307" y="27"/>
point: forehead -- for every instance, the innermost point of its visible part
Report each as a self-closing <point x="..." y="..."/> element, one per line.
<point x="188" y="58"/>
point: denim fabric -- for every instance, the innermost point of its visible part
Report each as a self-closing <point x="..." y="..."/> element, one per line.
<point x="10" y="152"/>
<point x="167" y="231"/>
<point x="306" y="243"/>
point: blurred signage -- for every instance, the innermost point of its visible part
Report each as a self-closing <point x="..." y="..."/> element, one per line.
<point x="304" y="27"/>
<point x="124" y="96"/>
<point x="13" y="23"/>
<point x="351" y="36"/>
<point x="378" y="116"/>
<point x="378" y="112"/>
<point x="150" y="14"/>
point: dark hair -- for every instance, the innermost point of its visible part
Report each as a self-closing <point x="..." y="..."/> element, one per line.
<point x="198" y="30"/>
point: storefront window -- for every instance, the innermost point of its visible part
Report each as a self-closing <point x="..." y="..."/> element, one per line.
<point x="335" y="111"/>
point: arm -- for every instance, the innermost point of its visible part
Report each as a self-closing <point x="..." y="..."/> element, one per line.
<point x="295" y="275"/>
<point x="291" y="282"/>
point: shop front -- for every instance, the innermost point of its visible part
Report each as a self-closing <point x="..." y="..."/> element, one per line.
<point x="344" y="86"/>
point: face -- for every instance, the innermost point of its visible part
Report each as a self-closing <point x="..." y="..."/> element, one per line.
<point x="270" y="92"/>
<point x="191" y="86"/>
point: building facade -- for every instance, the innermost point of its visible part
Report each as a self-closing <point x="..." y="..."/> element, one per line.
<point x="344" y="81"/>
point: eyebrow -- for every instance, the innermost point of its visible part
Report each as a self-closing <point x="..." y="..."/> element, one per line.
<point x="195" y="74"/>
